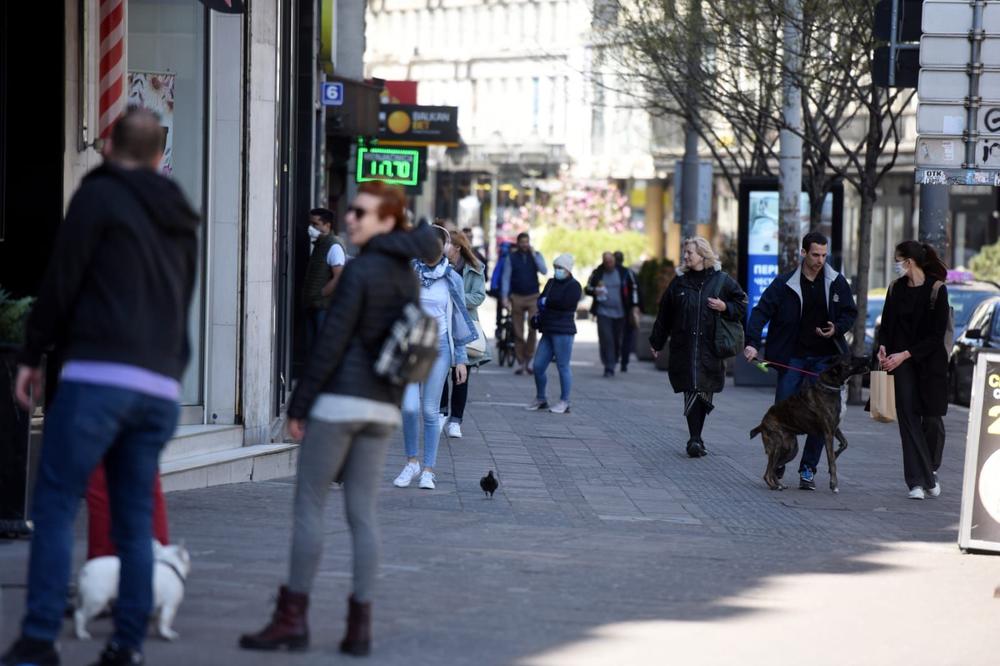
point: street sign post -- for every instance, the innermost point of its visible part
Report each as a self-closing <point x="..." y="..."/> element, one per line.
<point x="958" y="118"/>
<point x="704" y="191"/>
<point x="979" y="524"/>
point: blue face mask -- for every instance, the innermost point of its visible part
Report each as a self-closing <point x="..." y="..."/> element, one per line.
<point x="561" y="273"/>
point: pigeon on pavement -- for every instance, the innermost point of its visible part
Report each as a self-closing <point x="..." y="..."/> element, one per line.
<point x="489" y="483"/>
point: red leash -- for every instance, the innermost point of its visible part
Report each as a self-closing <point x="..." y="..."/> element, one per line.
<point x="788" y="367"/>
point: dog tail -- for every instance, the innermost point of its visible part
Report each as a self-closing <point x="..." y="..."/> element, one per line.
<point x="755" y="431"/>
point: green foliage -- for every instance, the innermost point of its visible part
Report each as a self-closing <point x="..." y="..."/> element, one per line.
<point x="587" y="246"/>
<point x="986" y="264"/>
<point x="654" y="277"/>
<point x="13" y="317"/>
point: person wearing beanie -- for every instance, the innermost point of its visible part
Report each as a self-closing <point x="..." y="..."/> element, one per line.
<point x="556" y="321"/>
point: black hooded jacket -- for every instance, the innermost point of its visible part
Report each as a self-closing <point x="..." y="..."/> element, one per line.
<point x="368" y="300"/>
<point x="118" y="285"/>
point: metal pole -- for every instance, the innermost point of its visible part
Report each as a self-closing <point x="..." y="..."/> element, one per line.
<point x="933" y="222"/>
<point x="689" y="166"/>
<point x="492" y="251"/>
<point x="790" y="136"/>
<point x="689" y="184"/>
<point x="972" y="102"/>
<point x="893" y="38"/>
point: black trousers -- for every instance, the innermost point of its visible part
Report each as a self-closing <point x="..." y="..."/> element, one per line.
<point x="459" y="396"/>
<point x="922" y="436"/>
<point x="609" y="338"/>
<point x="628" y="342"/>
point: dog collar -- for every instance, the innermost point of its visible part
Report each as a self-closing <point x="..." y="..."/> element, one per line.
<point x="177" y="572"/>
<point x="827" y="387"/>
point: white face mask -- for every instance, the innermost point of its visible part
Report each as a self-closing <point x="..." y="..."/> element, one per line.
<point x="560" y="273"/>
<point x="900" y="268"/>
<point x="313" y="233"/>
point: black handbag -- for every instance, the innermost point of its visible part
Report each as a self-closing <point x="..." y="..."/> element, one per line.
<point x="728" y="340"/>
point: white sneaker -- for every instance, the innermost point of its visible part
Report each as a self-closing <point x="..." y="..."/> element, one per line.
<point x="444" y="421"/>
<point x="537" y="404"/>
<point x="406" y="476"/>
<point x="917" y="493"/>
<point x="427" y="480"/>
<point x="560" y="407"/>
<point x="455" y="430"/>
<point x="935" y="491"/>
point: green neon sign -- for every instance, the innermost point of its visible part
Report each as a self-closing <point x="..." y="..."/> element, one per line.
<point x="397" y="166"/>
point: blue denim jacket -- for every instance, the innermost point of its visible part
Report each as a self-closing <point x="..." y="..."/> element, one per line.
<point x="462" y="330"/>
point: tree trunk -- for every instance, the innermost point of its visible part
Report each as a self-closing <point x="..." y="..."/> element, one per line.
<point x="868" y="197"/>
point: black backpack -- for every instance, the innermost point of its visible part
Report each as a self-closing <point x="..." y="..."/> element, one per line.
<point x="411" y="348"/>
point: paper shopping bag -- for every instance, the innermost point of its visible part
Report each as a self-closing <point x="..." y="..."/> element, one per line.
<point x="883" y="396"/>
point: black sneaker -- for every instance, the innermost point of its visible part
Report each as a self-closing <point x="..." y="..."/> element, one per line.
<point x="115" y="655"/>
<point x="696" y="448"/>
<point x="608" y="372"/>
<point x="807" y="480"/>
<point x="31" y="652"/>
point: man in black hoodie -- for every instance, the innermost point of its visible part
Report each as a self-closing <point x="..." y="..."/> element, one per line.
<point x="114" y="304"/>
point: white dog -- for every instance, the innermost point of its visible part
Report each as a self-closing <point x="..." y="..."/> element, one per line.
<point x="97" y="587"/>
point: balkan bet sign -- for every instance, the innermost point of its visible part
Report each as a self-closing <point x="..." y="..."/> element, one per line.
<point x="979" y="527"/>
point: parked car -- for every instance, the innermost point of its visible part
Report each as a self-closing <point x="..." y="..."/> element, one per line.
<point x="981" y="333"/>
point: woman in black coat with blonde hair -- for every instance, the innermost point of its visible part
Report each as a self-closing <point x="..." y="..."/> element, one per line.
<point x="911" y="347"/>
<point x="688" y="315"/>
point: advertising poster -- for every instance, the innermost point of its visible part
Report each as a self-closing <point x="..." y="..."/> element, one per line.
<point x="980" y="521"/>
<point x="155" y="91"/>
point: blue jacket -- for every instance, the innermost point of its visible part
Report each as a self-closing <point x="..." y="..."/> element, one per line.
<point x="781" y="305"/>
<point x="461" y="330"/>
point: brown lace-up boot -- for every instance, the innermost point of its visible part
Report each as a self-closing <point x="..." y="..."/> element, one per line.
<point x="288" y="627"/>
<point x="358" y="639"/>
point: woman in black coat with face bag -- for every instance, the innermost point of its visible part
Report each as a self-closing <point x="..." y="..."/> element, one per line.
<point x="911" y="346"/>
<point x="688" y="315"/>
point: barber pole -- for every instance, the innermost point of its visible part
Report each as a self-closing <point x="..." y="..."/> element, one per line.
<point x="112" y="65"/>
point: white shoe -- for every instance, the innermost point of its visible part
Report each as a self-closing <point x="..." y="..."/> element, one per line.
<point x="444" y="421"/>
<point x="935" y="491"/>
<point x="560" y="407"/>
<point x="405" y="477"/>
<point x="917" y="493"/>
<point x="427" y="480"/>
<point x="455" y="430"/>
<point x="537" y="404"/>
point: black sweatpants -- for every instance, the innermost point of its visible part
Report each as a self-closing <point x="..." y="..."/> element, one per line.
<point x="459" y="396"/>
<point x="609" y="338"/>
<point x="922" y="436"/>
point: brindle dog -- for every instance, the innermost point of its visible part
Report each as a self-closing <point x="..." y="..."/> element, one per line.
<point x="814" y="409"/>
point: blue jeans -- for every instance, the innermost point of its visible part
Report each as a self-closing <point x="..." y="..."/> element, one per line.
<point x="424" y="400"/>
<point x="789" y="383"/>
<point x="85" y="424"/>
<point x="560" y="348"/>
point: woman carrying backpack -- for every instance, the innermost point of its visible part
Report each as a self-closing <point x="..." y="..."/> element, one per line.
<point x="911" y="346"/>
<point x="465" y="262"/>
<point x="442" y="296"/>
<point x="346" y="412"/>
<point x="691" y="310"/>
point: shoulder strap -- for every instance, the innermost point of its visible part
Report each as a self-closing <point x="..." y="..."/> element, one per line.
<point x="934" y="292"/>
<point x="720" y="280"/>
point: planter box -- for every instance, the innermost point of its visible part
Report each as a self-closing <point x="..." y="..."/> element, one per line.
<point x="642" y="351"/>
<point x="15" y="451"/>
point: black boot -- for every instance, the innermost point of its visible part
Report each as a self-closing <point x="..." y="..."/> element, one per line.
<point x="31" y="651"/>
<point x="115" y="655"/>
<point x="288" y="626"/>
<point x="696" y="448"/>
<point x="358" y="639"/>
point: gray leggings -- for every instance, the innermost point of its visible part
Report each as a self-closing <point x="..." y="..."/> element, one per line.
<point x="356" y="452"/>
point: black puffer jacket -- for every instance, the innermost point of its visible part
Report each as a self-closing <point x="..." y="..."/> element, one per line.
<point x="684" y="317"/>
<point x="558" y="316"/>
<point x="369" y="298"/>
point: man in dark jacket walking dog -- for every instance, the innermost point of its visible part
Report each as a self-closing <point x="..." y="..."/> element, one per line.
<point x="809" y="310"/>
<point x="616" y="300"/>
<point x="115" y="301"/>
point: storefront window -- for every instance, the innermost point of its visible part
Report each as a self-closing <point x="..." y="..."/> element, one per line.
<point x="166" y="66"/>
